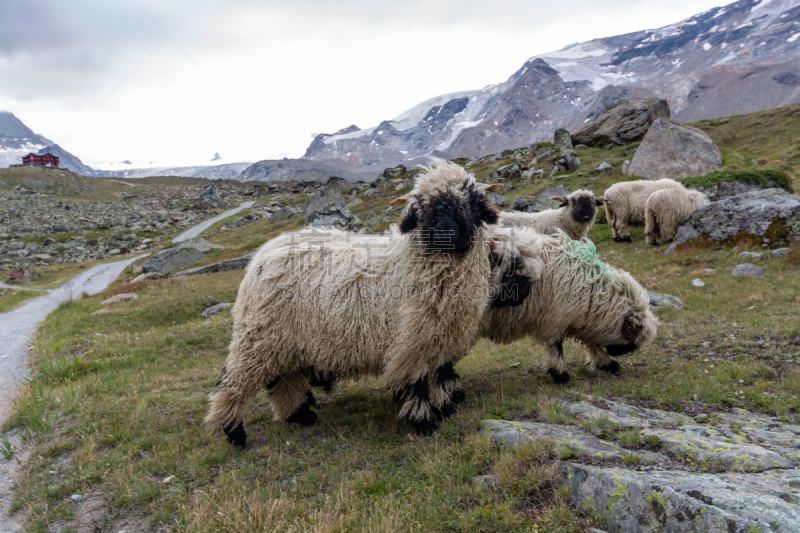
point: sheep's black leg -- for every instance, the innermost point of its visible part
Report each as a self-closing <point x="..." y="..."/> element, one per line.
<point x="303" y="416"/>
<point x="612" y="367"/>
<point x="446" y="391"/>
<point x="556" y="366"/>
<point x="326" y="381"/>
<point x="292" y="399"/>
<point x="416" y="408"/>
<point x="236" y="434"/>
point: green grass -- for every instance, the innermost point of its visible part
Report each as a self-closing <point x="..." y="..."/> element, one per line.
<point x="764" y="177"/>
<point x="15" y="298"/>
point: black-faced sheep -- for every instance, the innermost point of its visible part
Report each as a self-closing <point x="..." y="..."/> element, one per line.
<point x="625" y="203"/>
<point x="313" y="313"/>
<point x="577" y="296"/>
<point x="574" y="216"/>
<point x="667" y="209"/>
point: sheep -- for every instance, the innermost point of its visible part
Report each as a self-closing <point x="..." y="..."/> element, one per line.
<point x="665" y="210"/>
<point x="576" y="296"/>
<point x="309" y="313"/>
<point x="625" y="202"/>
<point x="574" y="216"/>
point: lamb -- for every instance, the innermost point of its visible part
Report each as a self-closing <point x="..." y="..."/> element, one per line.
<point x="574" y="216"/>
<point x="625" y="204"/>
<point x="308" y="312"/>
<point x="665" y="210"/>
<point x="579" y="297"/>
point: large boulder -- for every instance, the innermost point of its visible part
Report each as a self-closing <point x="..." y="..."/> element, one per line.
<point x="771" y="214"/>
<point x="199" y="244"/>
<point x="562" y="139"/>
<point x="539" y="202"/>
<point x="671" y="150"/>
<point x="623" y="122"/>
<point x="726" y="183"/>
<point x="167" y="261"/>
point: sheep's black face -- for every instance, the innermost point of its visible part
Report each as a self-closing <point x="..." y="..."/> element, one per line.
<point x="514" y="286"/>
<point x="630" y="332"/>
<point x="584" y="208"/>
<point x="448" y="222"/>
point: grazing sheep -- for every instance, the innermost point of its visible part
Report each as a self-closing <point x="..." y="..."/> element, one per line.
<point x="625" y="202"/>
<point x="574" y="216"/>
<point x="665" y="210"/>
<point x="576" y="296"/>
<point x="312" y="312"/>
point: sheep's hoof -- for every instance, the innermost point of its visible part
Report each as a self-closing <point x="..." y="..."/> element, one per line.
<point x="560" y="378"/>
<point x="303" y="416"/>
<point x="458" y="396"/>
<point x="236" y="434"/>
<point x="627" y="239"/>
<point x="446" y="411"/>
<point x="612" y="367"/>
<point x="426" y="426"/>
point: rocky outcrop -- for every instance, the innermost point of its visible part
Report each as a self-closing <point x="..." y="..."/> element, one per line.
<point x="664" y="300"/>
<point x="671" y="150"/>
<point x="539" y="202"/>
<point x="623" y="122"/>
<point x="663" y="483"/>
<point x="199" y="244"/>
<point x="172" y="260"/>
<point x="296" y="170"/>
<point x="771" y="214"/>
<point x="327" y="209"/>
<point x="238" y="263"/>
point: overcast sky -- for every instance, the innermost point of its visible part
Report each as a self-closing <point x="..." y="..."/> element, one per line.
<point x="173" y="82"/>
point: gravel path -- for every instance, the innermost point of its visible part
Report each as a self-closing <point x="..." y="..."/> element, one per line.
<point x="195" y="231"/>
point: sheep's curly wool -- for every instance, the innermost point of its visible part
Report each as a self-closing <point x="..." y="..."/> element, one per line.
<point x="665" y="210"/>
<point x="566" y="217"/>
<point x="312" y="307"/>
<point x="577" y="296"/>
<point x="625" y="204"/>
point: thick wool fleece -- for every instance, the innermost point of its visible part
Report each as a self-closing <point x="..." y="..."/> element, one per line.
<point x="550" y="221"/>
<point x="325" y="306"/>
<point x="625" y="203"/>
<point x="576" y="296"/>
<point x="667" y="209"/>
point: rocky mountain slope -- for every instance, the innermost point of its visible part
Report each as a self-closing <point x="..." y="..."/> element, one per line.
<point x="18" y="140"/>
<point x="742" y="57"/>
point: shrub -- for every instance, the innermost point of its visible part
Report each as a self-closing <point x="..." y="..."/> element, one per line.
<point x="775" y="178"/>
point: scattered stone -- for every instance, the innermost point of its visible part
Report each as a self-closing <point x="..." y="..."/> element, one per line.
<point x="748" y="269"/>
<point x="571" y="160"/>
<point x="76" y="498"/>
<point x="673" y="325"/>
<point x="604" y="166"/>
<point x="539" y="202"/>
<point x="671" y="150"/>
<point x="199" y="244"/>
<point x="750" y="255"/>
<point x="498" y="199"/>
<point x="168" y="479"/>
<point x="354" y="202"/>
<point x="750" y="214"/>
<point x="120" y="298"/>
<point x="284" y="214"/>
<point x="625" y="166"/>
<point x="172" y="260"/>
<point x="101" y="312"/>
<point x="778" y="252"/>
<point x="486" y="482"/>
<point x="562" y="139"/>
<point x="144" y="453"/>
<point x="664" y="300"/>
<point x="622" y="122"/>
<point x="215" y="310"/>
<point x="43" y="257"/>
<point x="237" y="263"/>
<point x="698" y="282"/>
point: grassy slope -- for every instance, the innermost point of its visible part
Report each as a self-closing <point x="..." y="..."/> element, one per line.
<point x="107" y="388"/>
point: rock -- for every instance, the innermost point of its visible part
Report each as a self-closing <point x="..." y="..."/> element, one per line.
<point x="101" y="312"/>
<point x="354" y="202"/>
<point x="750" y="255"/>
<point x="76" y="498"/>
<point x="238" y="263"/>
<point x="172" y="260"/>
<point x="539" y="202"/>
<point x="334" y="215"/>
<point x="43" y="257"/>
<point x="726" y="189"/>
<point x="511" y="433"/>
<point x="487" y="482"/>
<point x="698" y="282"/>
<point x="748" y="269"/>
<point x="571" y="160"/>
<point x="120" y="298"/>
<point x="500" y="200"/>
<point x="562" y="139"/>
<point x="664" y="300"/>
<point x="318" y="202"/>
<point x="284" y="214"/>
<point x="199" y="244"/>
<point x="625" y="167"/>
<point x="622" y="122"/>
<point x="624" y="415"/>
<point x="751" y="214"/>
<point x="638" y="502"/>
<point x="215" y="310"/>
<point x="671" y="150"/>
<point x="604" y="166"/>
<point x="778" y="252"/>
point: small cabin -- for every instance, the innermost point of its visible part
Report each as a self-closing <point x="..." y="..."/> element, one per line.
<point x="44" y="160"/>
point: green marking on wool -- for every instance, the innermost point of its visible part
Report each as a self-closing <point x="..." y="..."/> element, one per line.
<point x="586" y="252"/>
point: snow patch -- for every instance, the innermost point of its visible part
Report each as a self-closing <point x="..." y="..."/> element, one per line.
<point x="793" y="38"/>
<point x="761" y="4"/>
<point x="707" y="46"/>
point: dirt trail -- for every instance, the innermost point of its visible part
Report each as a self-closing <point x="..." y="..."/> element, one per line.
<point x="195" y="231"/>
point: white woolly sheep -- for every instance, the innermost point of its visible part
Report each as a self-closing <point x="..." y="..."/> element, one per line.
<point x="336" y="310"/>
<point x="625" y="202"/>
<point x="665" y="210"/>
<point x="574" y="216"/>
<point x="577" y="296"/>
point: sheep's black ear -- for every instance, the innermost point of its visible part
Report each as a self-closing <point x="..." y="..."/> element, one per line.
<point x="599" y="203"/>
<point x="565" y="204"/>
<point x="409" y="222"/>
